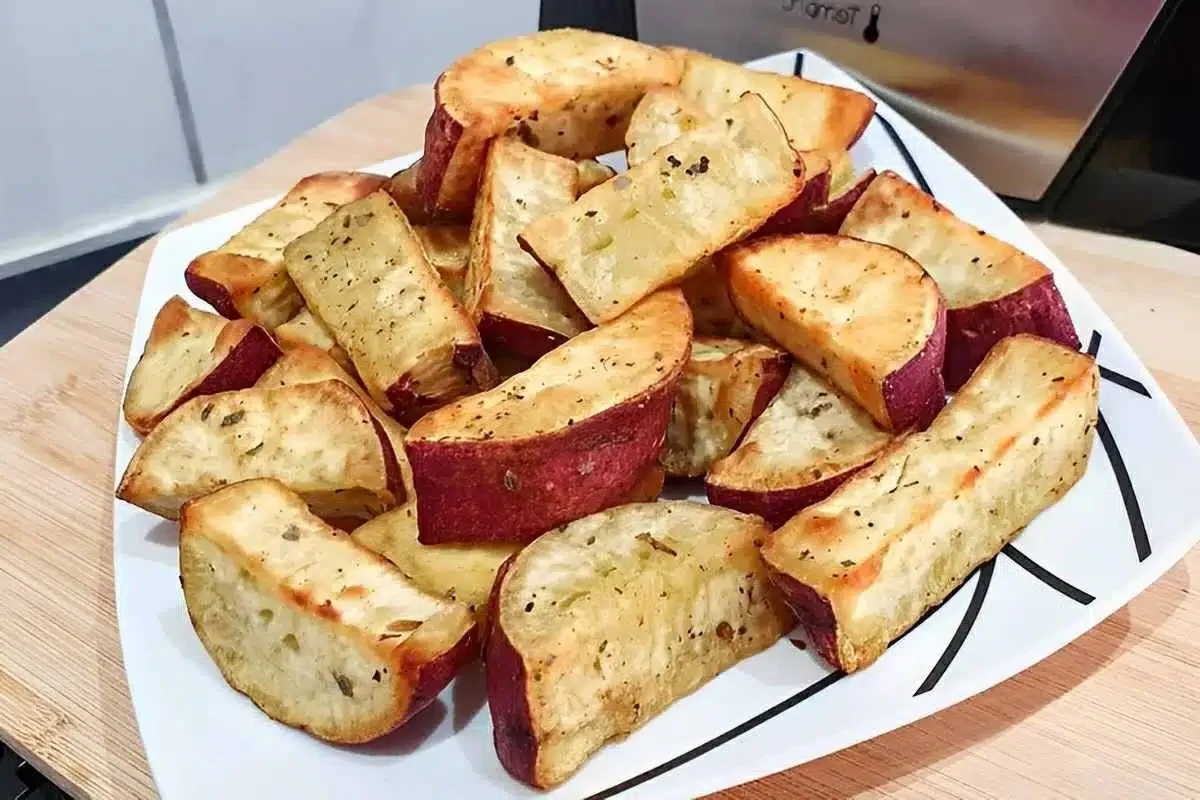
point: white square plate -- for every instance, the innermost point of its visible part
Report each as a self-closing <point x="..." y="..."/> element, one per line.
<point x="1131" y="517"/>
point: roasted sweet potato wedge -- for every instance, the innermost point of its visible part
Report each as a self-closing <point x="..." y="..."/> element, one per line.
<point x="863" y="315"/>
<point x="517" y="305"/>
<point x="461" y="572"/>
<point x="365" y="273"/>
<point x="817" y="116"/>
<point x="862" y="566"/>
<point x="190" y="353"/>
<point x="320" y="633"/>
<point x="306" y="328"/>
<point x="662" y="116"/>
<point x="245" y="276"/>
<point x="651" y="226"/>
<point x="447" y="247"/>
<point x="992" y="289"/>
<point x="724" y="387"/>
<point x="598" y="626"/>
<point x="592" y="173"/>
<point x="807" y="442"/>
<point x="566" y="437"/>
<point x="318" y="439"/>
<point x="567" y="92"/>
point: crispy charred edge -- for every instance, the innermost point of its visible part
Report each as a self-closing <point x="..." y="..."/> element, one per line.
<point x="919" y="384"/>
<point x="525" y="340"/>
<point x="812" y="611"/>
<point x="442" y="136"/>
<point x="431" y="677"/>
<point x="213" y="292"/>
<point x="828" y="217"/>
<point x="469" y="360"/>
<point x="507" y="682"/>
<point x="777" y="506"/>
<point x="638" y="424"/>
<point x="1035" y="308"/>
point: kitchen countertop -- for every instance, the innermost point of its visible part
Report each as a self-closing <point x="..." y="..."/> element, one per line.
<point x="1115" y="714"/>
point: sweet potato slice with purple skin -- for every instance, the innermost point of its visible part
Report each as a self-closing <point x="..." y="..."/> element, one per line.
<point x="365" y="273"/>
<point x="862" y="566"/>
<point x="724" y="387"/>
<point x="318" y="632"/>
<point x="568" y="436"/>
<point x="567" y="92"/>
<point x="865" y="316"/>
<point x="650" y="227"/>
<point x="320" y="439"/>
<point x="245" y="276"/>
<point x="518" y="306"/>
<point x="817" y="116"/>
<point x="807" y="442"/>
<point x="992" y="289"/>
<point x="573" y="616"/>
<point x="190" y="353"/>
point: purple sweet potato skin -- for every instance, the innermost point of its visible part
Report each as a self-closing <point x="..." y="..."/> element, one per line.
<point x="973" y="330"/>
<point x="779" y="505"/>
<point x="915" y="393"/>
<point x="212" y="293"/>
<point x="429" y="679"/>
<point x="529" y="342"/>
<point x="442" y="135"/>
<point x="516" y="490"/>
<point x="241" y="368"/>
<point x="792" y="217"/>
<point x="512" y="726"/>
<point x="828" y="217"/>
<point x="813" y="612"/>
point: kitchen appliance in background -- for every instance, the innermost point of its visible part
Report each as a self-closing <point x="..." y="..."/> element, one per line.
<point x="1080" y="111"/>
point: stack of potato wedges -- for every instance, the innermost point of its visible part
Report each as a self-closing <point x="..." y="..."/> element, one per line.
<point x="432" y="415"/>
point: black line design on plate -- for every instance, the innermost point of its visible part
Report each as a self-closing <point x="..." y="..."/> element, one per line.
<point x="798" y="69"/>
<point x="964" y="629"/>
<point x="907" y="156"/>
<point x="770" y="713"/>
<point x="1124" y="380"/>
<point x="1046" y="576"/>
<point x="1133" y="510"/>
<point x="729" y="735"/>
<point x="1141" y="539"/>
<point x="1129" y="383"/>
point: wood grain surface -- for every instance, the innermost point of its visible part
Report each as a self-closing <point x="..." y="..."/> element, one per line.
<point x="1115" y="714"/>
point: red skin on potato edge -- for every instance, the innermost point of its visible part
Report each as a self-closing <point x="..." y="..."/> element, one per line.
<point x="777" y="506"/>
<point x="828" y="218"/>
<point x="432" y="677"/>
<point x="212" y="293"/>
<point x="915" y="393"/>
<point x="442" y="135"/>
<point x="516" y="490"/>
<point x="240" y="369"/>
<point x="812" y="611"/>
<point x="469" y="358"/>
<point x="529" y="342"/>
<point x="1037" y="308"/>
<point x="512" y="726"/>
